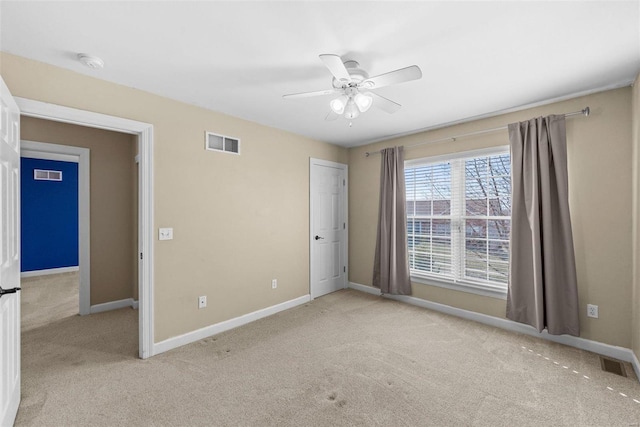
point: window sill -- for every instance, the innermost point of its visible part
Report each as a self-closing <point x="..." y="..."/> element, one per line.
<point x="471" y="288"/>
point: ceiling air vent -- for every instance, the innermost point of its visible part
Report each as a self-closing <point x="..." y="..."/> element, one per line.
<point x="45" y="175"/>
<point x="222" y="143"/>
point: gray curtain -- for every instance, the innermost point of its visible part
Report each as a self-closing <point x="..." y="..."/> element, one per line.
<point x="391" y="264"/>
<point x="542" y="278"/>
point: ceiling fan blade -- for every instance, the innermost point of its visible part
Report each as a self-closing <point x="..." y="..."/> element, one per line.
<point x="385" y="104"/>
<point x="310" y="94"/>
<point x="331" y="116"/>
<point x="336" y="66"/>
<point x="393" y="77"/>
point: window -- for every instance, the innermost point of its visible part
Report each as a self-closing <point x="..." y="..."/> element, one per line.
<point x="459" y="219"/>
<point x="222" y="143"/>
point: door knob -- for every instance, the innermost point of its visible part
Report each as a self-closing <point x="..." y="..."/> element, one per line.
<point x="318" y="238"/>
<point x="8" y="291"/>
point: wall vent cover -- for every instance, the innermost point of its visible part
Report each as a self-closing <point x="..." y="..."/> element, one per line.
<point x="613" y="366"/>
<point x="46" y="175"/>
<point x="226" y="144"/>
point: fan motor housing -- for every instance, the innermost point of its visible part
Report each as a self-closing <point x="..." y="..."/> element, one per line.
<point x="355" y="72"/>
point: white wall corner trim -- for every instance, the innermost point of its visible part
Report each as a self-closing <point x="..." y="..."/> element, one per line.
<point x="189" y="337"/>
<point x="48" y="271"/>
<point x="114" y="305"/>
<point x="60" y="113"/>
<point x="620" y="353"/>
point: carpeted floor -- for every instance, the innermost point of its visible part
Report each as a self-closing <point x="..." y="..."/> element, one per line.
<point x="346" y="359"/>
<point x="45" y="299"/>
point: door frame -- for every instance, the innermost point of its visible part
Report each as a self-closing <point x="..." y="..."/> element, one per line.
<point x="44" y="150"/>
<point x="345" y="206"/>
<point x="144" y="132"/>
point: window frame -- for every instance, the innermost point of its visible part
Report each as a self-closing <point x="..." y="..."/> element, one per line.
<point x="457" y="205"/>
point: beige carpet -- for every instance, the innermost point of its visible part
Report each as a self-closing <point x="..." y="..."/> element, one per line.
<point x="344" y="359"/>
<point x="45" y="299"/>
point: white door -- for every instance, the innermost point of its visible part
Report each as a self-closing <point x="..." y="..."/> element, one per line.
<point x="9" y="256"/>
<point x="328" y="226"/>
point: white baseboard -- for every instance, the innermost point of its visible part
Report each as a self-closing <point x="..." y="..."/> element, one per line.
<point x="114" y="305"/>
<point x="48" y="271"/>
<point x="636" y="364"/>
<point x="217" y="328"/>
<point x="620" y="353"/>
<point x="363" y="288"/>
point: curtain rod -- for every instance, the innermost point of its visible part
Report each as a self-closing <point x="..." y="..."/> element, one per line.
<point x="584" y="112"/>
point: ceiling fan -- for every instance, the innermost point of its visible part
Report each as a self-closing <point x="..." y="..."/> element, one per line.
<point x="354" y="87"/>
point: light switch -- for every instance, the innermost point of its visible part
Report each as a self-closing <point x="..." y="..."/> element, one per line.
<point x="165" y="234"/>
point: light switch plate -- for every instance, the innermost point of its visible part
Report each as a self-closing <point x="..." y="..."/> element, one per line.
<point x="165" y="234"/>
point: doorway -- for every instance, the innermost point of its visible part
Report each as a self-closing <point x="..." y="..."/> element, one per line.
<point x="56" y="152"/>
<point x="328" y="227"/>
<point x="144" y="134"/>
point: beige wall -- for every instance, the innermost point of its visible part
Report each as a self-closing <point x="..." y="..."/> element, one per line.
<point x="113" y="257"/>
<point x="635" y="327"/>
<point x="239" y="221"/>
<point x="600" y="178"/>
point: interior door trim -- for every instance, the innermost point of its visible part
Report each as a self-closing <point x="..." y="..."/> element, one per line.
<point x="144" y="132"/>
<point x="82" y="157"/>
<point x="345" y="203"/>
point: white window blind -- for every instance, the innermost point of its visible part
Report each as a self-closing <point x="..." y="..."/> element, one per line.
<point x="459" y="218"/>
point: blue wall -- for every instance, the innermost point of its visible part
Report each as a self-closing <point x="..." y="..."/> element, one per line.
<point x="49" y="216"/>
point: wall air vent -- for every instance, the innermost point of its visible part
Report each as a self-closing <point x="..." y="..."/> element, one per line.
<point x="226" y="144"/>
<point x="44" y="175"/>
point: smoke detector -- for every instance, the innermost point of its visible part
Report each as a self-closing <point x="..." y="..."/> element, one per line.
<point x="91" y="61"/>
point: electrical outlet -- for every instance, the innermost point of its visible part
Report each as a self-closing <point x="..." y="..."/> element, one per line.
<point x="165" y="234"/>
<point x="202" y="301"/>
<point x="592" y="310"/>
<point x="274" y="283"/>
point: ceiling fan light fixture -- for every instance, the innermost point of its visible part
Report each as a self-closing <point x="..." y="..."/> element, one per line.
<point x="338" y="105"/>
<point x="353" y="86"/>
<point x="351" y="111"/>
<point x="363" y="101"/>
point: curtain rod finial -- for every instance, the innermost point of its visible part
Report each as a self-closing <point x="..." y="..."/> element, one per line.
<point x="366" y="154"/>
<point x="586" y="111"/>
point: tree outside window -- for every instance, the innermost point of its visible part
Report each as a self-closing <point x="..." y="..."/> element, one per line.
<point x="459" y="219"/>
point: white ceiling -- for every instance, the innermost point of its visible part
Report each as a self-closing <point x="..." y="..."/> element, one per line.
<point x="241" y="57"/>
